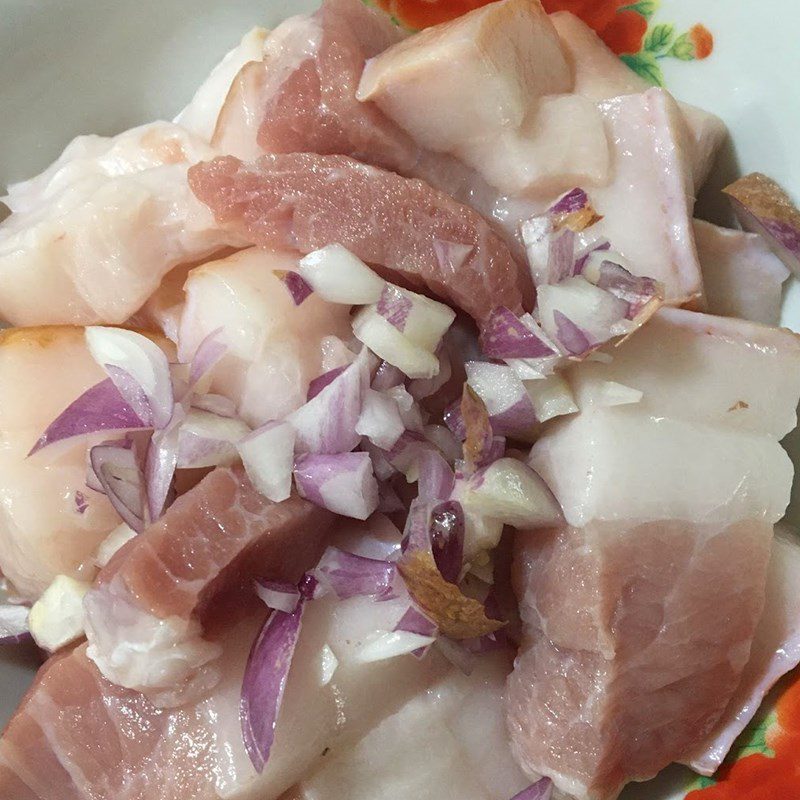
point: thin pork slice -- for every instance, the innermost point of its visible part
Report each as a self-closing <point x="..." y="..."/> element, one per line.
<point x="91" y="237"/>
<point x="640" y="611"/>
<point x="146" y="612"/>
<point x="449" y="741"/>
<point x="50" y="521"/>
<point x="647" y="207"/>
<point x="274" y="347"/>
<point x="775" y="652"/>
<point x="599" y="75"/>
<point x="742" y="277"/>
<point x="399" y="225"/>
<point x="491" y="89"/>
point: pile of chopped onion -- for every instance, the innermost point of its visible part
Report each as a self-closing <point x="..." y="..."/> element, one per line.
<point x="586" y="295"/>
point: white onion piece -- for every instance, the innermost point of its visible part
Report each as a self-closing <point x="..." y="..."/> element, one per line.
<point x="387" y="342"/>
<point x="278" y="596"/>
<point x="390" y="645"/>
<point x="380" y="420"/>
<point x="343" y="483"/>
<point x="387" y="376"/>
<point x="410" y="412"/>
<point x="335" y="353"/>
<point x="511" y="492"/>
<point x="436" y="479"/>
<point x="56" y="619"/>
<point x="328" y="664"/>
<point x="551" y="397"/>
<point x="595" y="392"/>
<point x="120" y="536"/>
<point x="451" y="255"/>
<point x="215" y="403"/>
<point x="504" y="395"/>
<point x="208" y="440"/>
<point x="338" y="276"/>
<point x="327" y="422"/>
<point x="381" y="466"/>
<point x="268" y="457"/>
<point x="445" y="442"/>
<point x="139" y="369"/>
<point x="425" y="387"/>
<point x="456" y="654"/>
<point x="422" y="320"/>
<point x="13" y="624"/>
<point x="207" y="355"/>
<point x="119" y="473"/>
<point x="162" y="458"/>
<point x="404" y="456"/>
<point x="593" y="310"/>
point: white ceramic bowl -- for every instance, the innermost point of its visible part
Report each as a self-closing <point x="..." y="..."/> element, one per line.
<point x="79" y="66"/>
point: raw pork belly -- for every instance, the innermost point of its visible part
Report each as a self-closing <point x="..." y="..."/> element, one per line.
<point x="640" y="612"/>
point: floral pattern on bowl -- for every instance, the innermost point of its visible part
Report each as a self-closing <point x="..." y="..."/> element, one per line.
<point x="631" y="30"/>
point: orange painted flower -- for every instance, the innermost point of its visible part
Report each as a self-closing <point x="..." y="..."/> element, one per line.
<point x="761" y="777"/>
<point x="702" y="39"/>
<point x="423" y="13"/>
<point x="619" y="23"/>
<point x="625" y="33"/>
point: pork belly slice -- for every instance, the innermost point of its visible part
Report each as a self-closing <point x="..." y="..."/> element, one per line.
<point x="275" y="348"/>
<point x="77" y="736"/>
<point x="50" y="521"/>
<point x="397" y="224"/>
<point x="775" y="652"/>
<point x="647" y="206"/>
<point x="723" y="372"/>
<point x="491" y="88"/>
<point x="145" y="614"/>
<point x="639" y="613"/>
<point x="448" y="741"/>
<point x="599" y="75"/>
<point x="742" y="277"/>
<point x="91" y="237"/>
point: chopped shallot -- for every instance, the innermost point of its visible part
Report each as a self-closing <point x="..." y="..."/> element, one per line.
<point x="338" y="276"/>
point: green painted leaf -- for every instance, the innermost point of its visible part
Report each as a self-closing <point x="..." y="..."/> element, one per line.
<point x="682" y="48"/>
<point x="703" y="782"/>
<point x="753" y="739"/>
<point x="644" y="7"/>
<point x="645" y="65"/>
<point x="659" y="37"/>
